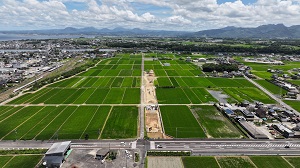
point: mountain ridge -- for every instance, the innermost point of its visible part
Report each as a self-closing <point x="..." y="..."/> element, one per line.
<point x="262" y="31"/>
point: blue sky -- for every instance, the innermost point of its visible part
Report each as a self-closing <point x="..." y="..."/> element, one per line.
<point x="244" y="1"/>
<point x="190" y="15"/>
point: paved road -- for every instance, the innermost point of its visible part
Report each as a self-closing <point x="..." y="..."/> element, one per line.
<point x="232" y="147"/>
<point x="79" y="144"/>
<point x="272" y="96"/>
<point x="142" y="106"/>
<point x="198" y="147"/>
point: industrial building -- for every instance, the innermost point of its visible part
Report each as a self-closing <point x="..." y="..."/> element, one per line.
<point x="57" y="154"/>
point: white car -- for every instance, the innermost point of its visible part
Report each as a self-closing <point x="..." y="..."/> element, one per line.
<point x="159" y="146"/>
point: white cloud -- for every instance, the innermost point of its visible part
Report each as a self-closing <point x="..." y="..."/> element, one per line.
<point x="185" y="14"/>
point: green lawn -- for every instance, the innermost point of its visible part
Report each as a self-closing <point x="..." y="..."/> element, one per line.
<point x="179" y="122"/>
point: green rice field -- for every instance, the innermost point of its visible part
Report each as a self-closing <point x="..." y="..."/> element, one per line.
<point x="78" y="106"/>
<point x="294" y="104"/>
<point x="271" y="87"/>
<point x="20" y="161"/>
<point x="240" y="161"/>
<point x="178" y="84"/>
<point x="269" y="162"/>
<point x="205" y="161"/>
<point x="102" y="102"/>
<point x="179" y="122"/>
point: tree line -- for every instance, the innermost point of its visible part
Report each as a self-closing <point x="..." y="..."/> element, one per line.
<point x="210" y="67"/>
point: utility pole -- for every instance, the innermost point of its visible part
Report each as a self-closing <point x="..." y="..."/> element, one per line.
<point x="16" y="134"/>
<point x="126" y="161"/>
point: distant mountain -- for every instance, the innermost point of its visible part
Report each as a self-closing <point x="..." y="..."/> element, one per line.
<point x="263" y="31"/>
<point x="118" y="31"/>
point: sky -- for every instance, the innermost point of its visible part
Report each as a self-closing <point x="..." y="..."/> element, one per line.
<point x="187" y="15"/>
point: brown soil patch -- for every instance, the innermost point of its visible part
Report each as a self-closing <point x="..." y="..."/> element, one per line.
<point x="152" y="115"/>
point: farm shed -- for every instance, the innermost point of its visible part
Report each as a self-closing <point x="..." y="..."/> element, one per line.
<point x="101" y="154"/>
<point x="253" y="130"/>
<point x="57" y="154"/>
<point x="284" y="130"/>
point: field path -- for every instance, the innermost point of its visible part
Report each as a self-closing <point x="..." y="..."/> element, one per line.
<point x="141" y="126"/>
<point x="105" y="122"/>
<point x="9" y="161"/>
<point x="287" y="162"/>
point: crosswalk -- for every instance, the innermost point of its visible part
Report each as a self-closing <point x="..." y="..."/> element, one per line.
<point x="152" y="145"/>
<point x="133" y="145"/>
<point x="83" y="146"/>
